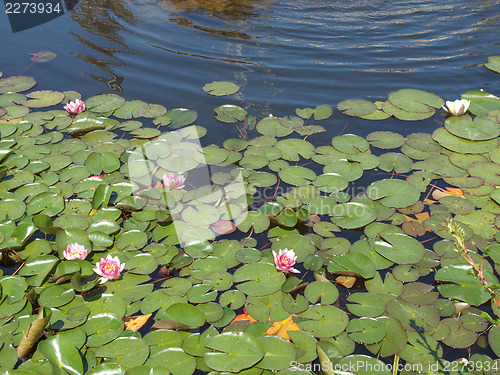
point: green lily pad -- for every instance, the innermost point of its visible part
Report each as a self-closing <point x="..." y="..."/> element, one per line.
<point x="400" y="248"/>
<point x="415" y="101"/>
<point x="186" y="314"/>
<point x="461" y="145"/>
<point x="481" y="102"/>
<point x="401" y="114"/>
<point x="230" y="113"/>
<point x="393" y="193"/>
<point x="385" y="139"/>
<point x="278" y="353"/>
<point x="104" y="103"/>
<point x="295" y="175"/>
<point x="233" y="351"/>
<point x="493" y="63"/>
<point x="258" y="279"/>
<point x="366" y="330"/>
<point x="221" y="88"/>
<point x="353" y="262"/>
<point x="42" y="99"/>
<point x="412" y="317"/>
<point x="356" y="107"/>
<point x="365" y="304"/>
<point x="323" y="321"/>
<point x="394" y="340"/>
<point x="323" y="292"/>
<point x="16" y="84"/>
<point x="271" y="126"/>
<point x="352" y="215"/>
<point x="124" y="351"/>
<point x="459" y="337"/>
<point x="172" y="360"/>
<point x="481" y="129"/>
<point x="62" y="354"/>
<point x="463" y="286"/>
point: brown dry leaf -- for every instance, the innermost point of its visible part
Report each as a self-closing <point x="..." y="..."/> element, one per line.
<point x="438" y="194"/>
<point x="454" y="191"/>
<point x="346" y="281"/>
<point x="408" y="218"/>
<point x="421" y="217"/>
<point x="134" y="323"/>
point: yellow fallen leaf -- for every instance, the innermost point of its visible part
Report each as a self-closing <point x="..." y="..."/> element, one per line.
<point x="134" y="323"/>
<point x="282" y="327"/>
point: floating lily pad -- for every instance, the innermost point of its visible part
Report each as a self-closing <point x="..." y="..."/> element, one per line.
<point x="493" y="63"/>
<point x="221" y="88"/>
<point x="271" y="126"/>
<point x="385" y="139"/>
<point x="481" y="129"/>
<point x="104" y="103"/>
<point x="323" y="321"/>
<point x="415" y="101"/>
<point x="356" y="107"/>
<point x="16" y="84"/>
<point x="393" y="193"/>
<point x="230" y="113"/>
<point x="366" y="330"/>
<point x="366" y="304"/>
<point x="352" y="215"/>
<point x="42" y="99"/>
<point x="233" y="351"/>
<point x="258" y="279"/>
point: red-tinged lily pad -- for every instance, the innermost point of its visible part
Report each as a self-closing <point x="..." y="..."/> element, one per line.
<point x="42" y="56"/>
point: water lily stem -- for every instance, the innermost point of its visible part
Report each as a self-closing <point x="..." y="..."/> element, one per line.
<point x="458" y="235"/>
<point x="395" y="365"/>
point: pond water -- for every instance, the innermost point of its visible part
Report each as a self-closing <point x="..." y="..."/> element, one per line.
<point x="284" y="54"/>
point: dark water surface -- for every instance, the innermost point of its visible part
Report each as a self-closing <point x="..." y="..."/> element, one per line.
<point x="284" y="54"/>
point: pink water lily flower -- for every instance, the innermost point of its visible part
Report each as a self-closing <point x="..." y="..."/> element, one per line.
<point x="285" y="260"/>
<point x="109" y="268"/>
<point x="173" y="181"/>
<point x="76" y="107"/>
<point x="75" y="251"/>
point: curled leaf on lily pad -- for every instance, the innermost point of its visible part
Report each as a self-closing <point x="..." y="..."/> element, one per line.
<point x="42" y="56"/>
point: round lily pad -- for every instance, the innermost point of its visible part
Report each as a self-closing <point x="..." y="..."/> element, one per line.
<point x="385" y="139"/>
<point x="481" y="129"/>
<point x="233" y="351"/>
<point x="352" y="215"/>
<point x="16" y="84"/>
<point x="42" y="99"/>
<point x="221" y="88"/>
<point x="365" y="304"/>
<point x="104" y="103"/>
<point x="393" y="193"/>
<point x="366" y="330"/>
<point x="462" y="145"/>
<point x="356" y="107"/>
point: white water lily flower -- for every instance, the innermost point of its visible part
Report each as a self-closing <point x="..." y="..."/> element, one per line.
<point x="458" y="107"/>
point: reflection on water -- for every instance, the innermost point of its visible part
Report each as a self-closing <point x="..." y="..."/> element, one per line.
<point x="225" y="9"/>
<point x="108" y="20"/>
<point x="284" y="54"/>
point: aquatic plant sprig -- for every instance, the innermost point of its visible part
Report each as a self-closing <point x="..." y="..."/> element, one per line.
<point x="458" y="235"/>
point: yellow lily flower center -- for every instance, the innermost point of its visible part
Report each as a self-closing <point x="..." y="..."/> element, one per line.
<point x="109" y="267"/>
